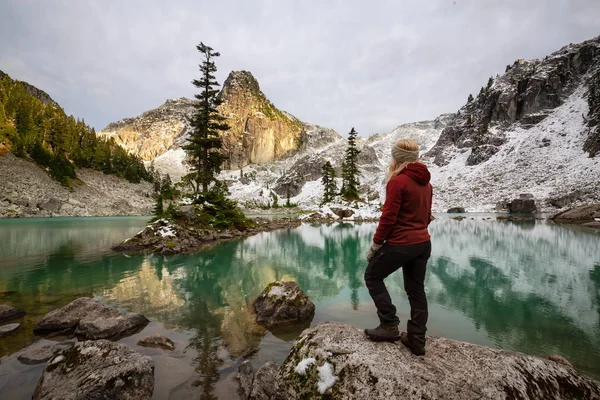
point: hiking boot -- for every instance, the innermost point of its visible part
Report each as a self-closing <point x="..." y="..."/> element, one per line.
<point x="416" y="349"/>
<point x="383" y="333"/>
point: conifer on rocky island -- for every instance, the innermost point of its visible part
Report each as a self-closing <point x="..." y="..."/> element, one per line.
<point x="350" y="171"/>
<point x="329" y="185"/>
<point x="204" y="142"/>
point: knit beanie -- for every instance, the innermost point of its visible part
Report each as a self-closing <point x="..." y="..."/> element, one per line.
<point x="402" y="156"/>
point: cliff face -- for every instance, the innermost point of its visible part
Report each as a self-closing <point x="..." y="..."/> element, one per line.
<point x="260" y="133"/>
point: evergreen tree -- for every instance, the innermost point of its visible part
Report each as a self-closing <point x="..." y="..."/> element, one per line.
<point x="481" y="91"/>
<point x="59" y="143"/>
<point x="350" y="171"/>
<point x="158" y="208"/>
<point x="489" y="84"/>
<point x="204" y="143"/>
<point x="329" y="185"/>
<point x="470" y="98"/>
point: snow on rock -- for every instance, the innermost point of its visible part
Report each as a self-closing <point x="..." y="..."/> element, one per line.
<point x="326" y="377"/>
<point x="546" y="160"/>
<point x="304" y="364"/>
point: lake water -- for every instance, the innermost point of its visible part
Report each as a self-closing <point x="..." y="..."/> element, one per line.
<point x="527" y="286"/>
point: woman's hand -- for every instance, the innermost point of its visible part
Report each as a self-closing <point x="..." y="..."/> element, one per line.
<point x="372" y="251"/>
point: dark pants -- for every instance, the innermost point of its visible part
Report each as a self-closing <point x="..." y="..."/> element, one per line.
<point x="413" y="260"/>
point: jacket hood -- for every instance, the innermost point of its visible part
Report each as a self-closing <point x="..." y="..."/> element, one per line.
<point x="418" y="172"/>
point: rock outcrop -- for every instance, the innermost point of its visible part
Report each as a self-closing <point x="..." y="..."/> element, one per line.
<point x="98" y="369"/>
<point x="337" y="361"/>
<point x="283" y="304"/>
<point x="90" y="319"/>
<point x="456" y="210"/>
<point x="8" y="313"/>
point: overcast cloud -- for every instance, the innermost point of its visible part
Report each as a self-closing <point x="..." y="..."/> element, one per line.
<point x="367" y="64"/>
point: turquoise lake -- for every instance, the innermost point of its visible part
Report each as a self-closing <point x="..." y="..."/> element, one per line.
<point x="533" y="287"/>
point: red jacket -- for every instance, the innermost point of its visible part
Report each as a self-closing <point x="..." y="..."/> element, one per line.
<point x="407" y="208"/>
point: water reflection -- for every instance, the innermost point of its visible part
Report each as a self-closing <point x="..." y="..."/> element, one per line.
<point x="531" y="287"/>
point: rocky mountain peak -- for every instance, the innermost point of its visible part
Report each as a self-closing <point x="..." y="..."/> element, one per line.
<point x="526" y="94"/>
<point x="239" y="82"/>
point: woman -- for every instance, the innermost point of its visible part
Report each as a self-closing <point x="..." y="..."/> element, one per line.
<point x="402" y="240"/>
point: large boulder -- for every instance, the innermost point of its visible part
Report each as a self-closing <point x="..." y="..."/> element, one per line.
<point x="579" y="215"/>
<point x="456" y="210"/>
<point x="90" y="319"/>
<point x="522" y="206"/>
<point x="338" y="361"/>
<point x="7" y="313"/>
<point x="95" y="370"/>
<point x="283" y="304"/>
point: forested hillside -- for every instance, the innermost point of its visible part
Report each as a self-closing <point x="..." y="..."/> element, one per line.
<point x="33" y="126"/>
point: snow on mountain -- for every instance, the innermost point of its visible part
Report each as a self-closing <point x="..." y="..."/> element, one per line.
<point x="425" y="133"/>
<point x="546" y="160"/>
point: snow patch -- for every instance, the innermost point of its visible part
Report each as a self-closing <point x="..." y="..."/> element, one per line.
<point x="326" y="377"/>
<point x="303" y="365"/>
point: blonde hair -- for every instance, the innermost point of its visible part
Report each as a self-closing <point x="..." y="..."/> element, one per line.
<point x="397" y="167"/>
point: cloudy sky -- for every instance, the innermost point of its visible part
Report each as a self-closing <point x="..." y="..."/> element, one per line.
<point x="368" y="64"/>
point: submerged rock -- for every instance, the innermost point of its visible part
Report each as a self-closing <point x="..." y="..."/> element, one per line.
<point x="9" y="328"/>
<point x="91" y="319"/>
<point x="7" y="313"/>
<point x="97" y="370"/>
<point x="338" y="360"/>
<point x="283" y="304"/>
<point x="37" y="354"/>
<point x="157" y="340"/>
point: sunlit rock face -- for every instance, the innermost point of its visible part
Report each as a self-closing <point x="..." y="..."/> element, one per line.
<point x="259" y="132"/>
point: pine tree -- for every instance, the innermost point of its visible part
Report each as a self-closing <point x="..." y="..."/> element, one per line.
<point x="470" y="98"/>
<point x="350" y="171"/>
<point x="158" y="208"/>
<point x="329" y="185"/>
<point x="489" y="84"/>
<point x="204" y="143"/>
<point x="481" y="91"/>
